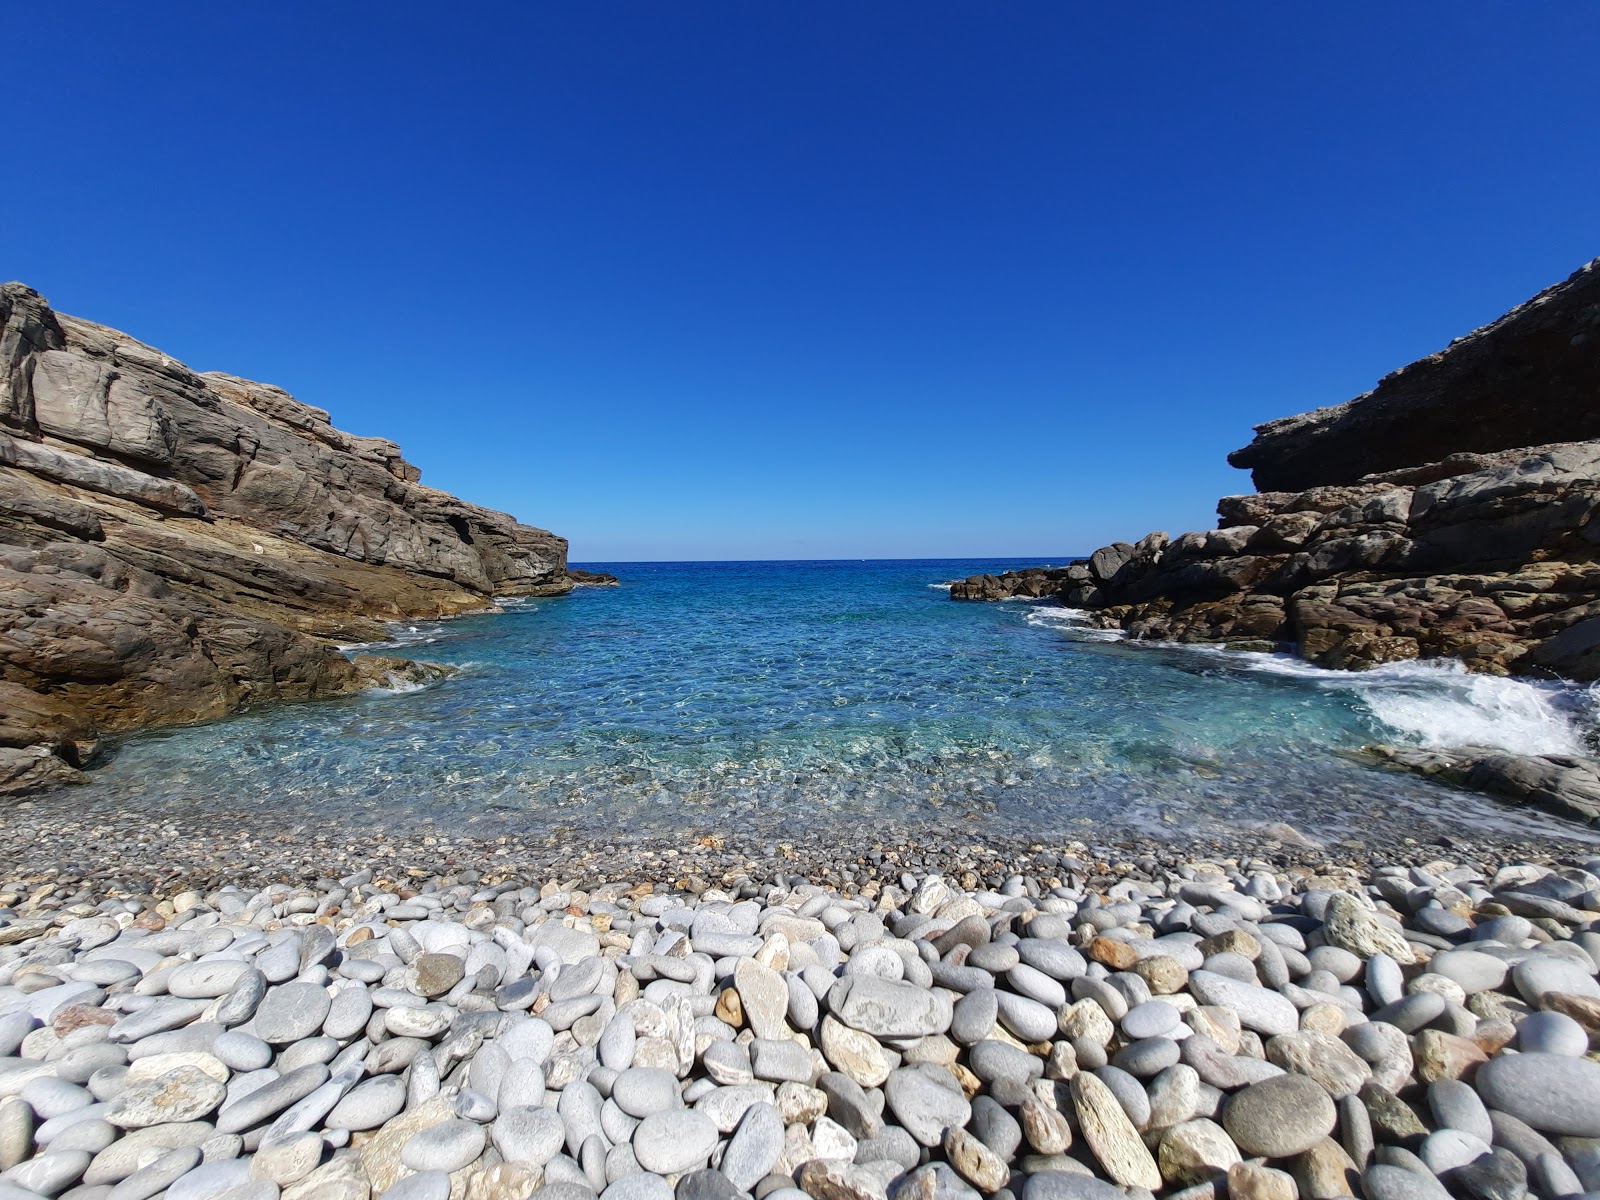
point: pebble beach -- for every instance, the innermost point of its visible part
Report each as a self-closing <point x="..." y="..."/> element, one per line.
<point x="714" y="1022"/>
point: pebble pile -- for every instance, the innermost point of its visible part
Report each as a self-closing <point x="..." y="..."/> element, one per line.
<point x="1205" y="1031"/>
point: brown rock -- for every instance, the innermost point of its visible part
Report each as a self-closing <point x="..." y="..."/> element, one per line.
<point x="174" y="545"/>
<point x="1119" y="956"/>
<point x="1441" y="1055"/>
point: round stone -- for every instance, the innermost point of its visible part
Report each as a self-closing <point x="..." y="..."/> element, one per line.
<point x="670" y="1143"/>
<point x="531" y="1136"/>
<point x="1539" y="1033"/>
<point x="641" y="1091"/>
<point x="447" y="1146"/>
<point x="1280" y="1117"/>
<point x="1543" y="973"/>
<point x="1153" y="1018"/>
<point x="184" y="1094"/>
<point x="369" y="1104"/>
<point x="1551" y="1092"/>
<point x="291" y="1011"/>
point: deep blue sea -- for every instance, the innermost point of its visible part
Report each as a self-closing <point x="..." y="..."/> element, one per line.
<point x="765" y="696"/>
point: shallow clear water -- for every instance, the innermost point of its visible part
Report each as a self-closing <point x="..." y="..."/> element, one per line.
<point x="710" y="697"/>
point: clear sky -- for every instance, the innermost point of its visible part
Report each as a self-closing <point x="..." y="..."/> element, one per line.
<point x="798" y="280"/>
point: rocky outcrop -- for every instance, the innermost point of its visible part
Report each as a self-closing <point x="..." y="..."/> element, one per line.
<point x="177" y="545"/>
<point x="1530" y="378"/>
<point x="1452" y="512"/>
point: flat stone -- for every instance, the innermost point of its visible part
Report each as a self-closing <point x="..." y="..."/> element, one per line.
<point x="291" y="1011"/>
<point x="446" y="1146"/>
<point x="1280" y="1117"/>
<point x="764" y="998"/>
<point x="1550" y="1092"/>
<point x="754" y="1147"/>
<point x="184" y="1094"/>
<point x="887" y="1007"/>
<point x="669" y="1143"/>
<point x="369" y="1104"/>
<point x="1111" y="1135"/>
<point x="974" y="1016"/>
<point x="1258" y="1008"/>
<point x="531" y="1136"/>
<point x="926" y="1100"/>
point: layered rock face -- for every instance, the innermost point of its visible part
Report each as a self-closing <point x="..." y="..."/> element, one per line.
<point x="176" y="545"/>
<point x="1528" y="379"/>
<point x="1485" y="548"/>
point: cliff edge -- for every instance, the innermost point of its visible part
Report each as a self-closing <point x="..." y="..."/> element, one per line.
<point x="1452" y="512"/>
<point x="177" y="545"/>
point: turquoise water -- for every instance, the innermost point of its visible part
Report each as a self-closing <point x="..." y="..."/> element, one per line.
<point x="763" y="696"/>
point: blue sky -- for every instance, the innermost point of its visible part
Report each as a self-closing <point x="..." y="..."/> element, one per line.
<point x="801" y="280"/>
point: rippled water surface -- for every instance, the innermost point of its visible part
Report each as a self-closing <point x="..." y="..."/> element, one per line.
<point x="765" y="696"/>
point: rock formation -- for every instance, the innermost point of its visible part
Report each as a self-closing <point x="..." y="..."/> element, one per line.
<point x="177" y="545"/>
<point x="1452" y="512"/>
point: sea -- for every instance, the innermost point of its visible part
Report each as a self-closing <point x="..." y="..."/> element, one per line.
<point x="765" y="697"/>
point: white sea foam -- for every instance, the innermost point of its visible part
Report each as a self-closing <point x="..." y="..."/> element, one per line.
<point x="940" y="587"/>
<point x="1440" y="705"/>
<point x="1073" y="621"/>
<point x="1437" y="704"/>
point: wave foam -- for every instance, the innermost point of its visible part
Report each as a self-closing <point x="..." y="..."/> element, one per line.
<point x="1438" y="704"/>
<point x="1074" y="621"/>
<point x="940" y="587"/>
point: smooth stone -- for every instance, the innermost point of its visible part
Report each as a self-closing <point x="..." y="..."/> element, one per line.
<point x="669" y="1143"/>
<point x="1152" y="1019"/>
<point x="1259" y="1009"/>
<point x="240" y="1051"/>
<point x="49" y="1173"/>
<point x="754" y="1147"/>
<point x="369" y="1104"/>
<point x="1552" y="1093"/>
<point x="974" y="1016"/>
<point x="641" y="1091"/>
<point x="447" y="1146"/>
<point x="1279" y="1117"/>
<point x="1455" y="1105"/>
<point x="426" y="1185"/>
<point x="926" y="1100"/>
<point x="1027" y="1019"/>
<point x="1549" y="972"/>
<point x="532" y="1136"/>
<point x="1537" y="1033"/>
<point x="1446" y="1149"/>
<point x="291" y="1011"/>
<point x="638" y="1185"/>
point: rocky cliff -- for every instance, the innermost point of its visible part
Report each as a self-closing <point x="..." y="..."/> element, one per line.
<point x="1485" y="548"/>
<point x="177" y="545"/>
<point x="1528" y="379"/>
<point x="1453" y="512"/>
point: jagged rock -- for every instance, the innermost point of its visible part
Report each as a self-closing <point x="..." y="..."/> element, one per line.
<point x="177" y="545"/>
<point x="1529" y="377"/>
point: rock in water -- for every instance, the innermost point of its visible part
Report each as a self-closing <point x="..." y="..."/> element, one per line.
<point x="181" y="543"/>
